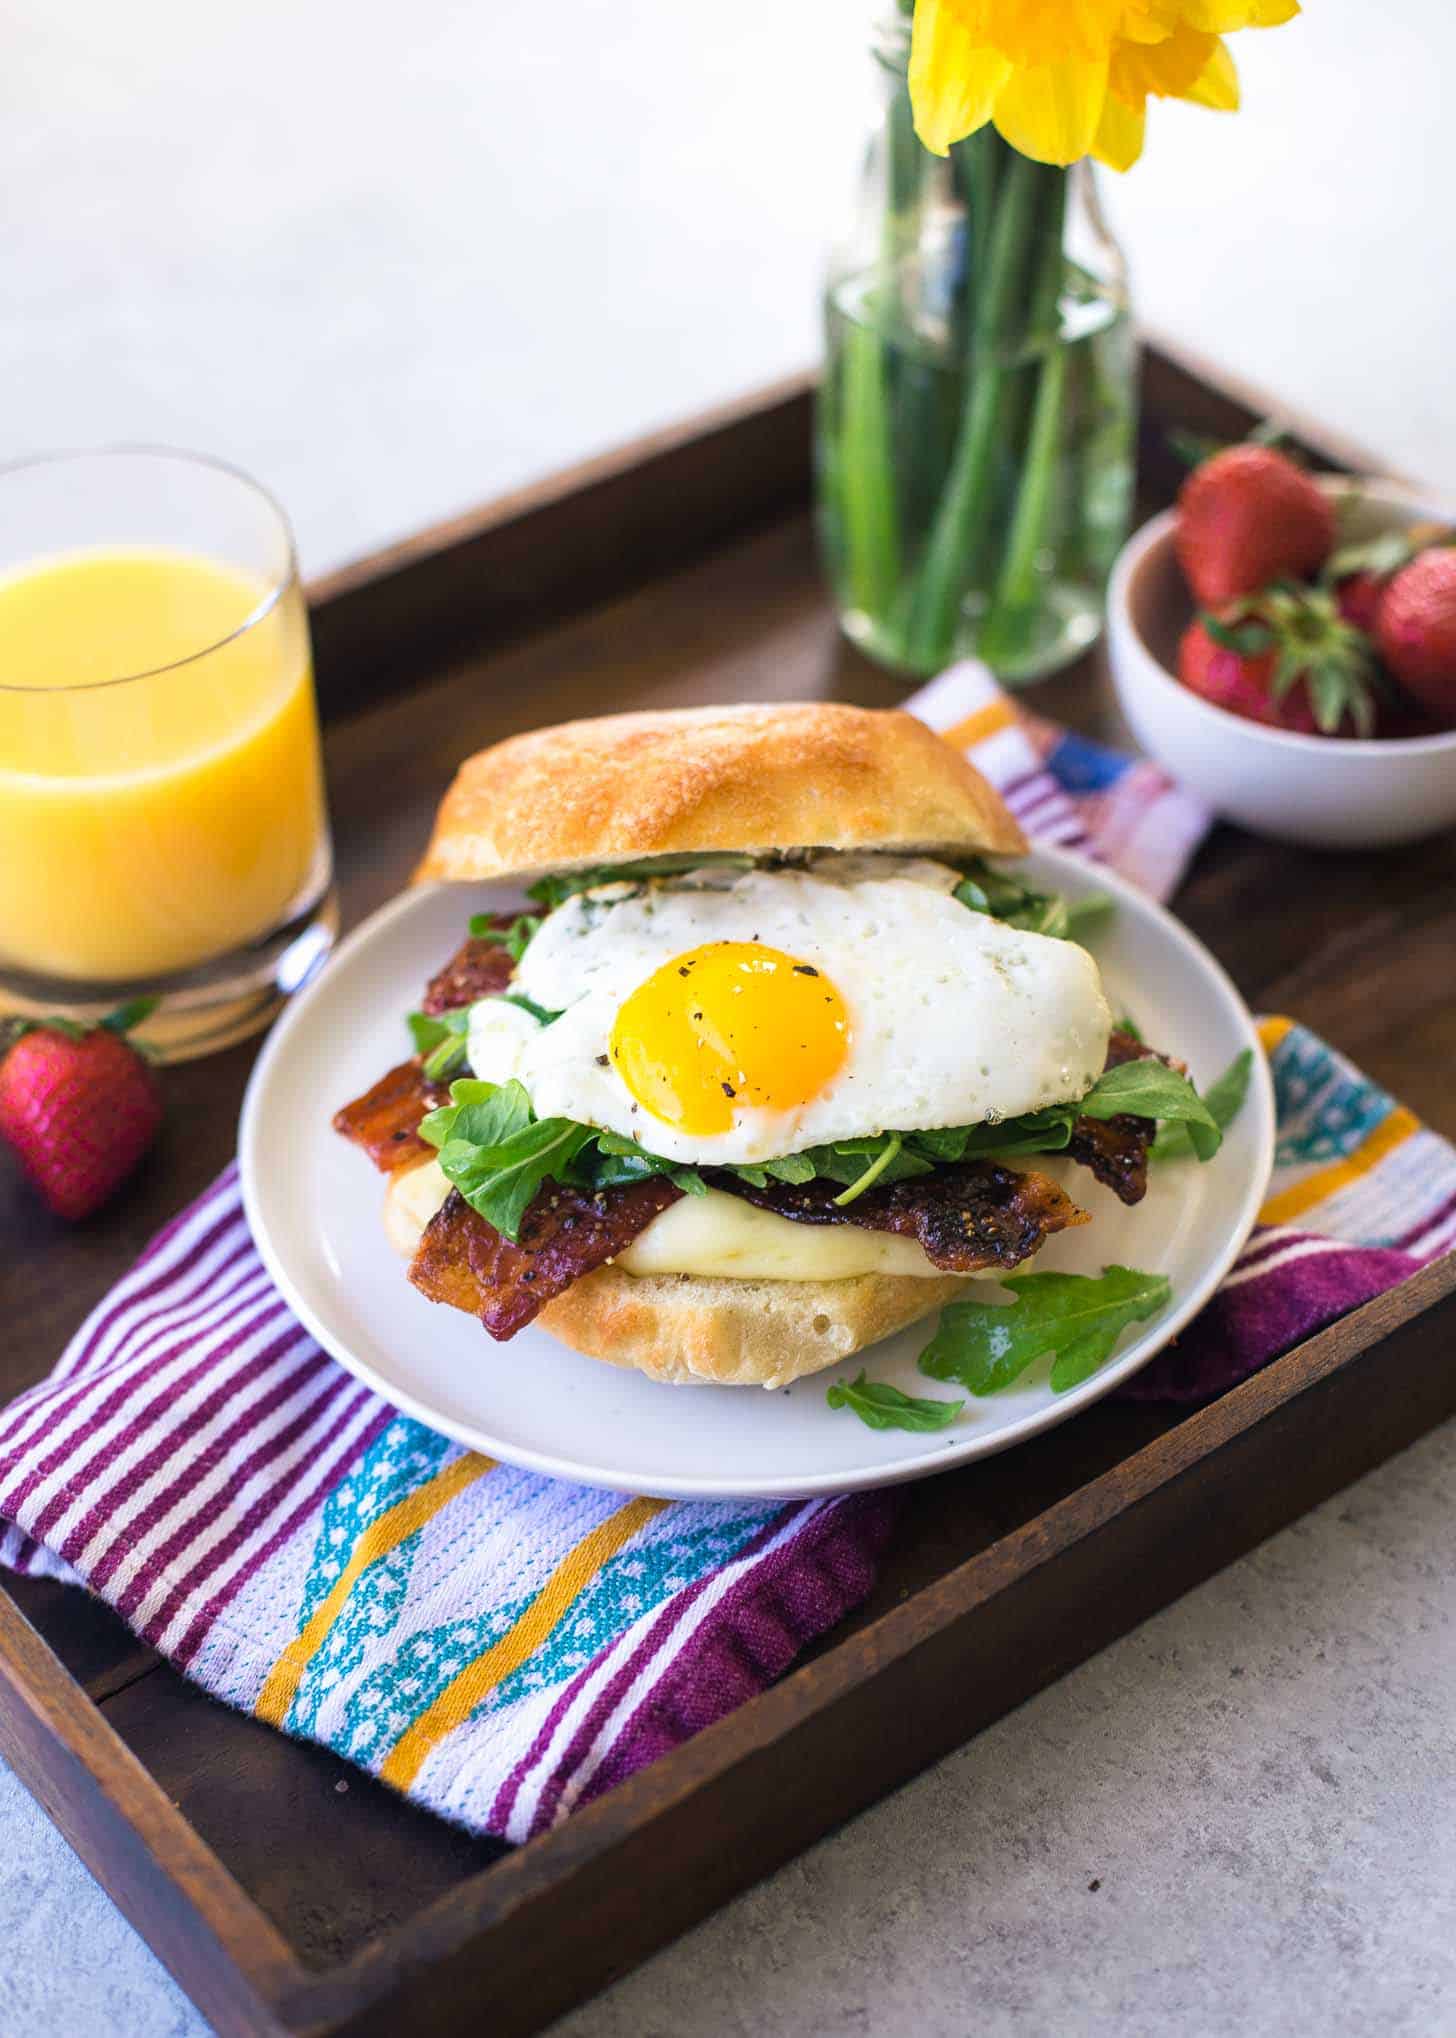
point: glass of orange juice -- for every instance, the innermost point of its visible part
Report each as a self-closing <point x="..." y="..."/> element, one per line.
<point x="162" y="819"/>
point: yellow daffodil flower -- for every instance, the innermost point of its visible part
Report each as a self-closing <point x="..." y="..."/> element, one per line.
<point x="1062" y="79"/>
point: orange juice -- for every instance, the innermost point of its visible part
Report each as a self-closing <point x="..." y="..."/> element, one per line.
<point x="161" y="798"/>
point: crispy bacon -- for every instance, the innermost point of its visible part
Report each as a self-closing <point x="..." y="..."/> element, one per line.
<point x="1115" y="1150"/>
<point x="976" y="1214"/>
<point x="383" y="1121"/>
<point x="478" y="969"/>
<point x="464" y="1261"/>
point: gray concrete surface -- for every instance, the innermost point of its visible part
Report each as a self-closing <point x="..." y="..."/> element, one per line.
<point x="394" y="260"/>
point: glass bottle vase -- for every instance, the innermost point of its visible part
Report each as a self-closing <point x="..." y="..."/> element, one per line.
<point x="975" y="429"/>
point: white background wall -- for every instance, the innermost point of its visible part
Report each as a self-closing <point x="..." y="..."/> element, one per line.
<point x="397" y="258"/>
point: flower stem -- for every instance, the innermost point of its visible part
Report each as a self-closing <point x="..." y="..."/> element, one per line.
<point x="1016" y="606"/>
<point x="867" y="474"/>
<point x="958" y="538"/>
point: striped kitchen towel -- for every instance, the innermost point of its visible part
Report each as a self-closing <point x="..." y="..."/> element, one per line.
<point x="502" y="1647"/>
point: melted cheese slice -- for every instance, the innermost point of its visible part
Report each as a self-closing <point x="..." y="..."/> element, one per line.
<point x="716" y="1235"/>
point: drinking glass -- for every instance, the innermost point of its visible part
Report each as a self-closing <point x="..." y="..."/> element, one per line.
<point x="163" y="831"/>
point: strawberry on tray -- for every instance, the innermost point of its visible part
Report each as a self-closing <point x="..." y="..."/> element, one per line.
<point x="79" y="1105"/>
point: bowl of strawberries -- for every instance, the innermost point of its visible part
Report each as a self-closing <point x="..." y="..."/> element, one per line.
<point x="1285" y="643"/>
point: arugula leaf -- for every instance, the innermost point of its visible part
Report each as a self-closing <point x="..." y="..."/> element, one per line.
<point x="1078" y="1318"/>
<point x="441" y="1040"/>
<point x="870" y="1175"/>
<point x="880" y="1406"/>
<point x="792" y="1167"/>
<point x="555" y="890"/>
<point x="516" y="938"/>
<point x="491" y="1119"/>
<point x="623" y="1160"/>
<point x="1084" y="912"/>
<point x="436" y="1126"/>
<point x="1043" y="913"/>
<point x="500" y="1173"/>
<point x="1044" y="1131"/>
<point x="984" y="889"/>
<point x="972" y="895"/>
<point x="539" y="1013"/>
<point x="845" y="1161"/>
<point x="1224" y="1098"/>
<point x="1150" y="1089"/>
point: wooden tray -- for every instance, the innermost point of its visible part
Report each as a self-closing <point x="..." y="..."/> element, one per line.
<point x="287" y="1892"/>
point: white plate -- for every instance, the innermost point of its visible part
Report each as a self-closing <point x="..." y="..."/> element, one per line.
<point x="313" y="1202"/>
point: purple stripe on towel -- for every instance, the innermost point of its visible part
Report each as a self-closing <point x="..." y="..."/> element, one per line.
<point x="755" y="1631"/>
<point x="1253" y="1320"/>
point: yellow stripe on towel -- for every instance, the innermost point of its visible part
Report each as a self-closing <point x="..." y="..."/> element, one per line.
<point x="980" y="723"/>
<point x="1392" y="1131"/>
<point x="469" y="1686"/>
<point x="1272" y="1031"/>
<point x="383" y="1534"/>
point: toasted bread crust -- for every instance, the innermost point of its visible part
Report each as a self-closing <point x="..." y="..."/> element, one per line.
<point x="686" y="1330"/>
<point x="758" y="778"/>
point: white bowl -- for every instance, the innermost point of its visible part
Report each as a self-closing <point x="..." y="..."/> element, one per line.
<point x="1328" y="792"/>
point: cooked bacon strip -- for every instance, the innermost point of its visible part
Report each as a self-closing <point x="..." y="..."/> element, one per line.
<point x="1116" y="1149"/>
<point x="384" y="1120"/>
<point x="464" y="1261"/>
<point x="478" y="969"/>
<point x="976" y="1214"/>
<point x="1123" y="1047"/>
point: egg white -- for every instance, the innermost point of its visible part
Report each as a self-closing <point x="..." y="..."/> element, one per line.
<point x="954" y="1016"/>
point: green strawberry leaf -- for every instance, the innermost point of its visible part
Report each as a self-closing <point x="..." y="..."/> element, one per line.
<point x="1077" y="1318"/>
<point x="1250" y="639"/>
<point x="880" y="1406"/>
<point x="125" y="1017"/>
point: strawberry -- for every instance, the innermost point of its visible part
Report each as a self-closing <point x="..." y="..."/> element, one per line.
<point x="1416" y="630"/>
<point x="1361" y="572"/>
<point x="80" y="1107"/>
<point x="1358" y="597"/>
<point x="1285" y="658"/>
<point x="1247" y="517"/>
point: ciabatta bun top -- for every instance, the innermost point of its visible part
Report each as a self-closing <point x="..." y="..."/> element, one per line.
<point x="754" y="779"/>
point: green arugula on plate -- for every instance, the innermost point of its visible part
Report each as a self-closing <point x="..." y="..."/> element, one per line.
<point x="880" y="1406"/>
<point x="1076" y="1319"/>
<point x="1224" y="1098"/>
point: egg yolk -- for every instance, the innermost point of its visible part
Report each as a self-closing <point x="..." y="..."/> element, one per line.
<point x="728" y="1026"/>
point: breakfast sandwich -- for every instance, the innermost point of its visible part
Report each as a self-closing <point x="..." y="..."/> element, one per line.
<point x="762" y="1069"/>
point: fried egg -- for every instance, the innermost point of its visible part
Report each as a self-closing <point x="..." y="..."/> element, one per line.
<point x="723" y="1019"/>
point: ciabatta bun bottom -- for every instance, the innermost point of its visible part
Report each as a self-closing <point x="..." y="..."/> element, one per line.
<point x="689" y="1330"/>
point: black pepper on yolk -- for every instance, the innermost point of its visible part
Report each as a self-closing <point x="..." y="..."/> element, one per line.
<point x="732" y="1025"/>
